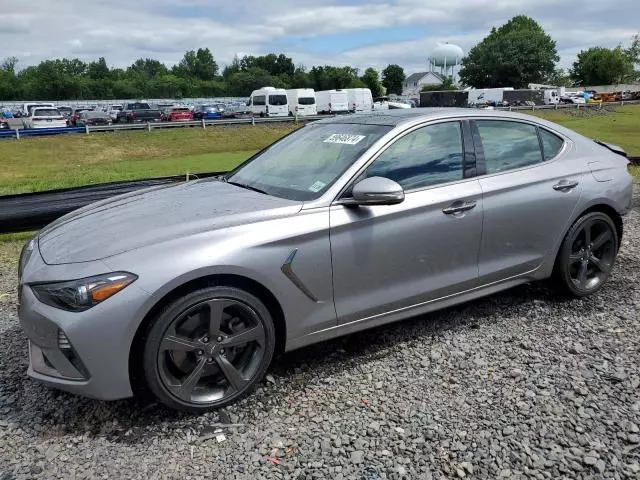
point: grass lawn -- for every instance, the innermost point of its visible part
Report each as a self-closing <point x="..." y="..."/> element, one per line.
<point x="36" y="164"/>
<point x="621" y="128"/>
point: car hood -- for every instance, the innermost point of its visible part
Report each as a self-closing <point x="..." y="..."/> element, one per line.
<point x="154" y="215"/>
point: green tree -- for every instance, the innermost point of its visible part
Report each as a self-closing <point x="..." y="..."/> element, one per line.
<point x="98" y="70"/>
<point x="602" y="66"/>
<point x="371" y="79"/>
<point x="447" y="84"/>
<point x="392" y="78"/>
<point x="514" y="55"/>
<point x="559" y="78"/>
<point x="197" y="64"/>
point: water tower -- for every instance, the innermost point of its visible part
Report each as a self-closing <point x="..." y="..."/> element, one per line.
<point x="447" y="57"/>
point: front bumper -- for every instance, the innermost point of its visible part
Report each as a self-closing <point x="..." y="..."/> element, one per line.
<point x="86" y="353"/>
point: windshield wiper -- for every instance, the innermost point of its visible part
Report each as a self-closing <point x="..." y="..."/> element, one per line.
<point x="248" y="187"/>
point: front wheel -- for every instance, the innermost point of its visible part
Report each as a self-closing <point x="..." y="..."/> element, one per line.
<point x="208" y="349"/>
<point x="587" y="255"/>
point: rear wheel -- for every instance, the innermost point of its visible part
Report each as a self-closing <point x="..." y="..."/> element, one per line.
<point x="208" y="349"/>
<point x="587" y="255"/>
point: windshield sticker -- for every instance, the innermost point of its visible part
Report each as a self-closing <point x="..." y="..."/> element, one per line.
<point x="344" y="138"/>
<point x="316" y="187"/>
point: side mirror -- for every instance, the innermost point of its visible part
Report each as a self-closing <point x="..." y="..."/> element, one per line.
<point x="377" y="191"/>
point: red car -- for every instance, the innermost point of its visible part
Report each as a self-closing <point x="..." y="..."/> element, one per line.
<point x="178" y="114"/>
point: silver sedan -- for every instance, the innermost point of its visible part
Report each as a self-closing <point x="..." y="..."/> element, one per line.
<point x="190" y="290"/>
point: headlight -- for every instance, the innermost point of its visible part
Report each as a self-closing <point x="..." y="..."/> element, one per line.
<point x="26" y="252"/>
<point x="80" y="295"/>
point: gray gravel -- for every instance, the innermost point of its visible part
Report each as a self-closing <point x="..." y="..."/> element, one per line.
<point x="523" y="384"/>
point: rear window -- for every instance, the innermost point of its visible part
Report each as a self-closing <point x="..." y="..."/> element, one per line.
<point x="277" y="100"/>
<point x="306" y="101"/>
<point x="181" y="110"/>
<point x="46" y="112"/>
<point x="92" y="114"/>
<point x="508" y="145"/>
<point x="138" y="106"/>
<point x="551" y="144"/>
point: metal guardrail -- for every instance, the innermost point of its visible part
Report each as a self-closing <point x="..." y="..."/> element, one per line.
<point x="574" y="106"/>
<point x="35" y="132"/>
<point x="149" y="126"/>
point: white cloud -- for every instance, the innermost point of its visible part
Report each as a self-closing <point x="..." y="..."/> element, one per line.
<point x="123" y="30"/>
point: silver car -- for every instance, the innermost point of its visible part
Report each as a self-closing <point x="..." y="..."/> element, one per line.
<point x="348" y="223"/>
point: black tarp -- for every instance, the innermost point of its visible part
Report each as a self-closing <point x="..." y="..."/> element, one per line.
<point x="31" y="211"/>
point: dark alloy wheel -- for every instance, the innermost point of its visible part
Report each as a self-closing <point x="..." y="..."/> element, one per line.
<point x="587" y="254"/>
<point x="208" y="349"/>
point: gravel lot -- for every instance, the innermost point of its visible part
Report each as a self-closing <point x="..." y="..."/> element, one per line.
<point x="520" y="385"/>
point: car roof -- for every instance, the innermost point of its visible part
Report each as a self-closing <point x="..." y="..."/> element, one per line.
<point x="396" y="117"/>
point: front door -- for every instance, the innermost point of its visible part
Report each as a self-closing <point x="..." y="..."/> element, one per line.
<point x="392" y="257"/>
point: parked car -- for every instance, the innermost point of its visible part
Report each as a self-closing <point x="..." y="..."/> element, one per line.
<point x="44" y="117"/>
<point x="75" y="115"/>
<point x="191" y="289"/>
<point x="113" y="110"/>
<point x="178" y="114"/>
<point x="92" y="118"/>
<point x="139" y="112"/>
<point x="207" y="112"/>
<point x="268" y="102"/>
<point x="65" y="110"/>
<point x="26" y="107"/>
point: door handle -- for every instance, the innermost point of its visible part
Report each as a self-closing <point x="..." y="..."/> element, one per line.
<point x="458" y="207"/>
<point x="565" y="185"/>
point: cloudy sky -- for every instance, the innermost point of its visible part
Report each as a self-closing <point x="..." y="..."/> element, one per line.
<point x="359" y="33"/>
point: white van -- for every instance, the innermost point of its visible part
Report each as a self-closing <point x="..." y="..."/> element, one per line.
<point x="332" y="101"/>
<point x="360" y="100"/>
<point x="26" y="108"/>
<point x="269" y="102"/>
<point x="302" y="101"/>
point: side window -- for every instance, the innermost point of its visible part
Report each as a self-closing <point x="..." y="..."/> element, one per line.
<point x="260" y="100"/>
<point x="508" y="145"/>
<point x="551" y="143"/>
<point x="427" y="156"/>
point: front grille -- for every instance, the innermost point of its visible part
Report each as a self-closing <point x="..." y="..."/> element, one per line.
<point x="63" y="341"/>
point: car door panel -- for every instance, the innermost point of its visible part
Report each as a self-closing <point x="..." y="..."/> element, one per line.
<point x="390" y="257"/>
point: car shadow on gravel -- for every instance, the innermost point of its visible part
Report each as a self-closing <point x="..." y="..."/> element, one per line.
<point x="49" y="413"/>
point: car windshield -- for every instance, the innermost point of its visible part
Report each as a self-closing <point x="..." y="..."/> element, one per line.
<point x="304" y="164"/>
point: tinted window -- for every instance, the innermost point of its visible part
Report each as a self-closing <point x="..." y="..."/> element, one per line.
<point x="45" y="112"/>
<point x="277" y="99"/>
<point x="427" y="156"/>
<point x="259" y="100"/>
<point x="508" y="145"/>
<point x="306" y="100"/>
<point x="551" y="144"/>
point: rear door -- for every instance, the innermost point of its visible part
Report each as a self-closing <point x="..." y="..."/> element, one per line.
<point x="391" y="257"/>
<point x="529" y="192"/>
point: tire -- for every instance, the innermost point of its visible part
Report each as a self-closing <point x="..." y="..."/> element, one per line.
<point x="211" y="363"/>
<point x="584" y="263"/>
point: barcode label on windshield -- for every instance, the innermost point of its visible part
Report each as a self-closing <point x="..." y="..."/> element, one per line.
<point x="344" y="138"/>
